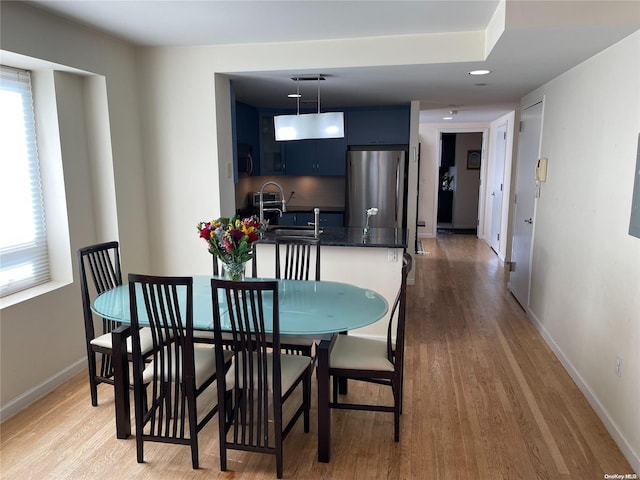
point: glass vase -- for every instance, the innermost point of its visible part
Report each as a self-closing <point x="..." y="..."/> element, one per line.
<point x="235" y="271"/>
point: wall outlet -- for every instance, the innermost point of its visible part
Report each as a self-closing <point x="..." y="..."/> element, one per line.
<point x="392" y="255"/>
<point x="618" y="365"/>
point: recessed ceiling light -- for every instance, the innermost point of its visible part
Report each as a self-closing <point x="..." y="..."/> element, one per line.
<point x="479" y="72"/>
<point x="294" y="95"/>
<point x="447" y="118"/>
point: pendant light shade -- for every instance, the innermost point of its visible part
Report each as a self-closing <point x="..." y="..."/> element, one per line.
<point x="309" y="125"/>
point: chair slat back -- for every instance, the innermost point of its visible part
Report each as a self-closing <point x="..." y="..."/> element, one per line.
<point x="297" y="257"/>
<point x="250" y="309"/>
<point x="99" y="267"/>
<point x="398" y="316"/>
<point x="165" y="304"/>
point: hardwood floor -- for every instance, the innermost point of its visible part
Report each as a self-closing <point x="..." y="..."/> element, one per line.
<point x="485" y="398"/>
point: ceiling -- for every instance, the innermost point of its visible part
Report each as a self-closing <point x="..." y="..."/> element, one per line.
<point x="523" y="58"/>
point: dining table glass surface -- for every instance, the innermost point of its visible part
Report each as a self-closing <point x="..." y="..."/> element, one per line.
<point x="306" y="307"/>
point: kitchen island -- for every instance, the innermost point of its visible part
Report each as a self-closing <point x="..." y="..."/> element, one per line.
<point x="373" y="262"/>
<point x="348" y="236"/>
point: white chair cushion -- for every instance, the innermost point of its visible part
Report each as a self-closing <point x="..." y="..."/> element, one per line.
<point x="358" y="353"/>
<point x="146" y="341"/>
<point x="291" y="367"/>
<point x="205" y="363"/>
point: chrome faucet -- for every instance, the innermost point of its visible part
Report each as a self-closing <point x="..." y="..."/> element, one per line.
<point x="262" y="209"/>
<point x="316" y="222"/>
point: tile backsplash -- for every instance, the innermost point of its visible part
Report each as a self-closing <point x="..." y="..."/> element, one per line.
<point x="307" y="191"/>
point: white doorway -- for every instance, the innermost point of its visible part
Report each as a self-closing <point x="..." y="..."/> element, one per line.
<point x="524" y="216"/>
<point x="459" y="205"/>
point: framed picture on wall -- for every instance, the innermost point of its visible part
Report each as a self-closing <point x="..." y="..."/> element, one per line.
<point x="473" y="159"/>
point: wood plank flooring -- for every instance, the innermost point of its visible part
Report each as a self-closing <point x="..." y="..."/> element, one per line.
<point x="485" y="398"/>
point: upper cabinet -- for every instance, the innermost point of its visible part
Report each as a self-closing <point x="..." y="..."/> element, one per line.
<point x="315" y="157"/>
<point x="370" y="126"/>
<point x="247" y="153"/>
<point x="380" y="126"/>
<point x="271" y="152"/>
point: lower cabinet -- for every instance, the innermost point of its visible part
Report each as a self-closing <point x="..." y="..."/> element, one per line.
<point x="327" y="219"/>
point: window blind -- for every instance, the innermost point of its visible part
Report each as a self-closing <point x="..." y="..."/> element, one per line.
<point x="24" y="260"/>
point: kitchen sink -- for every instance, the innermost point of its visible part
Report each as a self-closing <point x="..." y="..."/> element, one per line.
<point x="293" y="230"/>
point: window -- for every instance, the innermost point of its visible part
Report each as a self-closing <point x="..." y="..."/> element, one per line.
<point x="23" y="243"/>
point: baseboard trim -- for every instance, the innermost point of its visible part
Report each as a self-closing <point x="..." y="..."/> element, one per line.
<point x="27" y="398"/>
<point x="632" y="457"/>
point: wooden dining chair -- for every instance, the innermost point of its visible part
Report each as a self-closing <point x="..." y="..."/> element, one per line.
<point x="261" y="378"/>
<point x="375" y="361"/>
<point x="294" y="262"/>
<point x="175" y="394"/>
<point x="99" y="267"/>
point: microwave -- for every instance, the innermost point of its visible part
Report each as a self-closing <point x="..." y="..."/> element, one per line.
<point x="245" y="159"/>
<point x="268" y="198"/>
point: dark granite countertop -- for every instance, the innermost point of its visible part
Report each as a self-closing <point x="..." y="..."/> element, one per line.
<point x="352" y="237"/>
<point x="308" y="208"/>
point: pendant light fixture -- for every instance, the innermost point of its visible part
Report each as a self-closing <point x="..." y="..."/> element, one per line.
<point x="309" y="125"/>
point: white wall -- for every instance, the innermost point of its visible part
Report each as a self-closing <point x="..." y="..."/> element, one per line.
<point x="42" y="339"/>
<point x="585" y="276"/>
<point x="467" y="182"/>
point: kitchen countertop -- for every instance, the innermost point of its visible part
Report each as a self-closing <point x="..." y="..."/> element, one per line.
<point x="352" y="237"/>
<point x="307" y="208"/>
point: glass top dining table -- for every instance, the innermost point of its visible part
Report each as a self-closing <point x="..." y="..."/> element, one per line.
<point x="306" y="307"/>
<point x="314" y="308"/>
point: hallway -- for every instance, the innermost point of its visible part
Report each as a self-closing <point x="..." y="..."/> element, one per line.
<point x="496" y="401"/>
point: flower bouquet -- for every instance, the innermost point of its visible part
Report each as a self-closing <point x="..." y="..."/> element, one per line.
<point x="231" y="240"/>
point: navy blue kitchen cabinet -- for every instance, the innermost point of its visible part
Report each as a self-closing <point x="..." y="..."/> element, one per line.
<point x="331" y="219"/>
<point x="315" y="157"/>
<point x="271" y="152"/>
<point x="247" y="153"/>
<point x="288" y="218"/>
<point x="383" y="126"/>
<point x="327" y="219"/>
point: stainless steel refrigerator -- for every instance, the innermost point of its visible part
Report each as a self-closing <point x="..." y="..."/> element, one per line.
<point x="376" y="178"/>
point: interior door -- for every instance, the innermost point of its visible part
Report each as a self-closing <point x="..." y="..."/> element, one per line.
<point x="497" y="187"/>
<point x="528" y="154"/>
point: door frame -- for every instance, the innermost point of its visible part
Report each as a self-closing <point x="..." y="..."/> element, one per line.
<point x="483" y="174"/>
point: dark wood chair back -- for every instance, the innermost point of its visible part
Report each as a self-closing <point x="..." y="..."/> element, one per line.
<point x="395" y="352"/>
<point x="255" y="390"/>
<point x="99" y="267"/>
<point x="298" y="252"/>
<point x="165" y="390"/>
